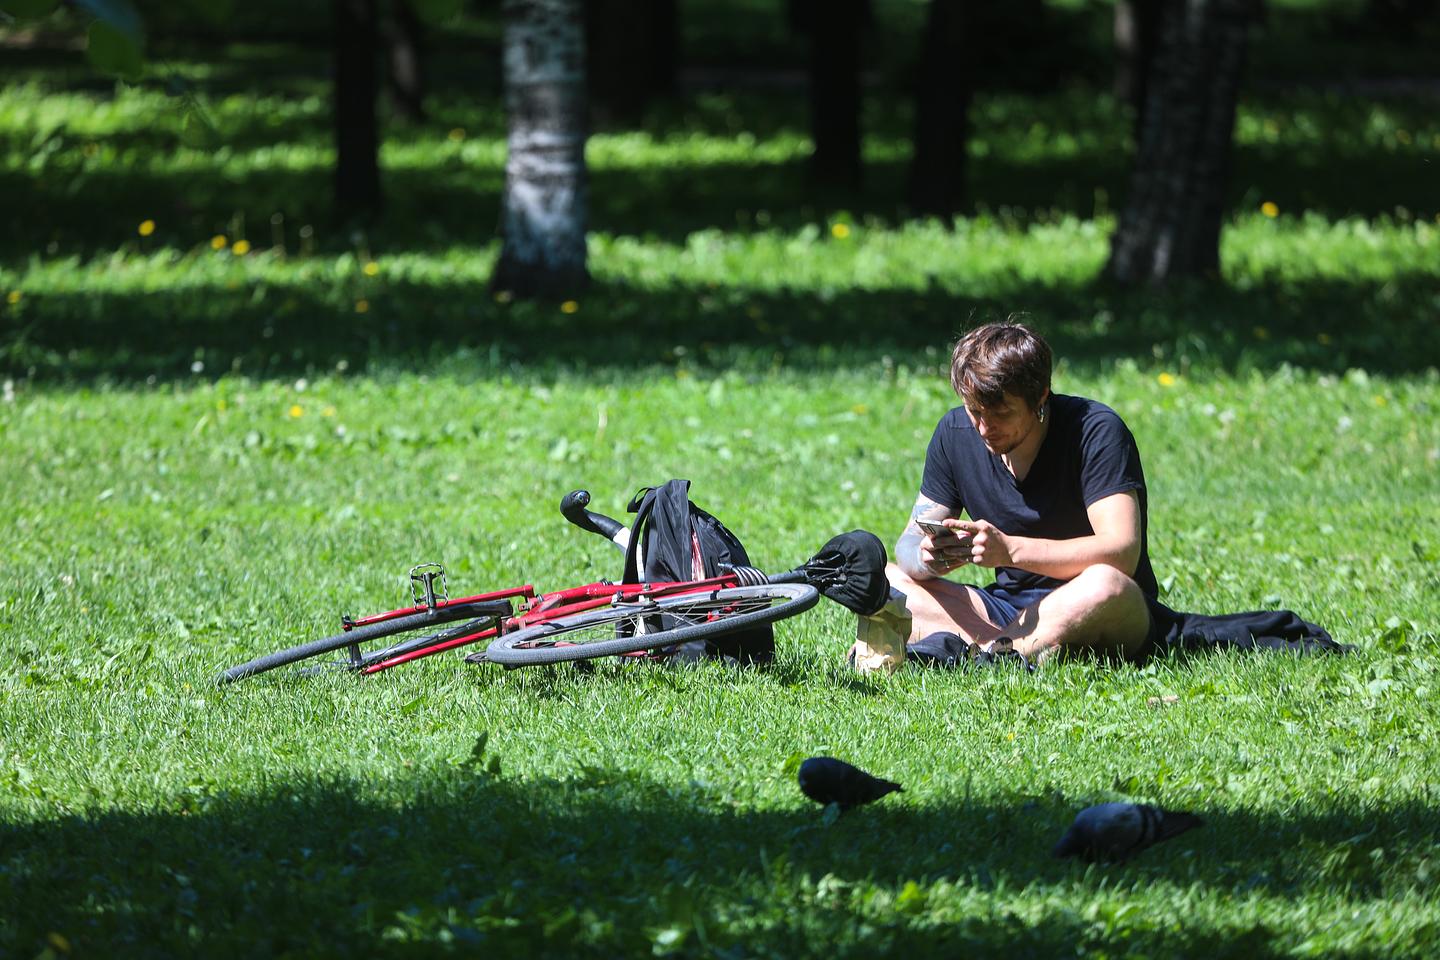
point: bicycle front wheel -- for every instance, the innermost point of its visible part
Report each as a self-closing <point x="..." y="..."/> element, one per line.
<point x="649" y="624"/>
<point x="401" y="635"/>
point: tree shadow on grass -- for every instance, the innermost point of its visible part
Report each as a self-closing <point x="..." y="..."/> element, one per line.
<point x="90" y="210"/>
<point x="610" y="862"/>
<point x="271" y="329"/>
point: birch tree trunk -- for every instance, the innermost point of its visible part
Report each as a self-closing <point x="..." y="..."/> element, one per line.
<point x="546" y="204"/>
<point x="1170" y="224"/>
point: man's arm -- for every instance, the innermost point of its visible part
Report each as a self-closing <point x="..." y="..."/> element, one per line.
<point x="1115" y="542"/>
<point x="915" y="551"/>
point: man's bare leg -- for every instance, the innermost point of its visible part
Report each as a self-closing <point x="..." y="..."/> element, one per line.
<point x="1100" y="610"/>
<point x="941" y="604"/>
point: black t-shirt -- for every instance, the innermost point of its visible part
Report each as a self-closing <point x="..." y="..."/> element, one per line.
<point x="1088" y="454"/>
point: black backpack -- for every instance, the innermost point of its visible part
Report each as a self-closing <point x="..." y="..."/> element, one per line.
<point x="679" y="541"/>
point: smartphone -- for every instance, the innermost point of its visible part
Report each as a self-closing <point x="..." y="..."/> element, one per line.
<point x="933" y="527"/>
<point x="936" y="528"/>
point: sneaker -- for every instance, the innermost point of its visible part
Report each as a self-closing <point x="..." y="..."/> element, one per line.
<point x="1002" y="651"/>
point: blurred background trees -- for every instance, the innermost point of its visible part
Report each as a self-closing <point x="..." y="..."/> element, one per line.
<point x="845" y="74"/>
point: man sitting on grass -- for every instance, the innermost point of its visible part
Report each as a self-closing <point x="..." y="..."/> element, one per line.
<point x="1056" y="498"/>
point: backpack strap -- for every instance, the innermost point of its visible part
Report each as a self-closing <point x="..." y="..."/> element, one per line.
<point x="660" y="536"/>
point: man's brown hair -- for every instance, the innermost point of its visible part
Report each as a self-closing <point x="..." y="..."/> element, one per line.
<point x="1000" y="358"/>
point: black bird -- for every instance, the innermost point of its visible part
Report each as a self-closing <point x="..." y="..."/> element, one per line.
<point x="827" y="780"/>
<point x="1118" y="831"/>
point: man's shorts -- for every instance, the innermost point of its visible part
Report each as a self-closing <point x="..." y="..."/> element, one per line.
<point x="1002" y="606"/>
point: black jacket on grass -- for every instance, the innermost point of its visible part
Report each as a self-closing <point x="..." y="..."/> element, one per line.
<point x="1276" y="631"/>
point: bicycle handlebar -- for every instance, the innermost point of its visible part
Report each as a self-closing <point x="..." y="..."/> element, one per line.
<point x="798" y="575"/>
<point x="573" y="505"/>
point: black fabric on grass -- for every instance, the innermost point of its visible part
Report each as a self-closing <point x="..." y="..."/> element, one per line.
<point x="1274" y="631"/>
<point x="850" y="569"/>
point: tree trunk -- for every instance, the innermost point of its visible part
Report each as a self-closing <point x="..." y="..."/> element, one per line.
<point x="357" y="136"/>
<point x="834" y="30"/>
<point x="405" y="38"/>
<point x="1170" y="224"/>
<point x="942" y="108"/>
<point x="630" y="57"/>
<point x="1137" y="33"/>
<point x="545" y="207"/>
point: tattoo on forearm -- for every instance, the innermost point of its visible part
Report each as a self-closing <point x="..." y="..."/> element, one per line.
<point x="926" y="509"/>
<point x="907" y="548"/>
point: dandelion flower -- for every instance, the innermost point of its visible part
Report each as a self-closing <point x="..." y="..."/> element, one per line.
<point x="840" y="231"/>
<point x="218" y="242"/>
<point x="1167" y="379"/>
<point x="1270" y="208"/>
<point x="296" y="411"/>
<point x="146" y="228"/>
<point x="372" y="268"/>
<point x="569" y="306"/>
<point x="13" y="297"/>
<point x="362" y="306"/>
<point x="241" y="248"/>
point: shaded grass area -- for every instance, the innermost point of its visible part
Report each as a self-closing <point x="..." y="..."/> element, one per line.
<point x="712" y="165"/>
<point x="655" y="307"/>
<point x="354" y="867"/>
<point x="707" y="238"/>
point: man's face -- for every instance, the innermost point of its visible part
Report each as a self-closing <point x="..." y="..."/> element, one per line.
<point x="1004" y="426"/>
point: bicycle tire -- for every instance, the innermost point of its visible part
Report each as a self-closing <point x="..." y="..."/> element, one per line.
<point x="566" y="638"/>
<point x="475" y="612"/>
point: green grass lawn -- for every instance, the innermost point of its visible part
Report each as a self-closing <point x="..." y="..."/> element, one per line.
<point x="211" y="452"/>
<point x="161" y="534"/>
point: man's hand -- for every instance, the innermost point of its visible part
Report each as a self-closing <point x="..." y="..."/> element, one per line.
<point x="924" y="555"/>
<point x="943" y="556"/>
<point x="988" y="546"/>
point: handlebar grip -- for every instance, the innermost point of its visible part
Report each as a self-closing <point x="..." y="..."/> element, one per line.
<point x="798" y="575"/>
<point x="573" y="504"/>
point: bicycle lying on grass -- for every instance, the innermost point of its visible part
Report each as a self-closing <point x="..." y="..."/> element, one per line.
<point x="600" y="619"/>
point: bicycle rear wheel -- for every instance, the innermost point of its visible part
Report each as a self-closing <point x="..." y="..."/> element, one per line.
<point x="411" y="633"/>
<point x="651" y="624"/>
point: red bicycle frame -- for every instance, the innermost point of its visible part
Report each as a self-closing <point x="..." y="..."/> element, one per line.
<point x="542" y="608"/>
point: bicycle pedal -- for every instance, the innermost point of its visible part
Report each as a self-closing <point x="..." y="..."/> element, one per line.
<point x="422" y="585"/>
